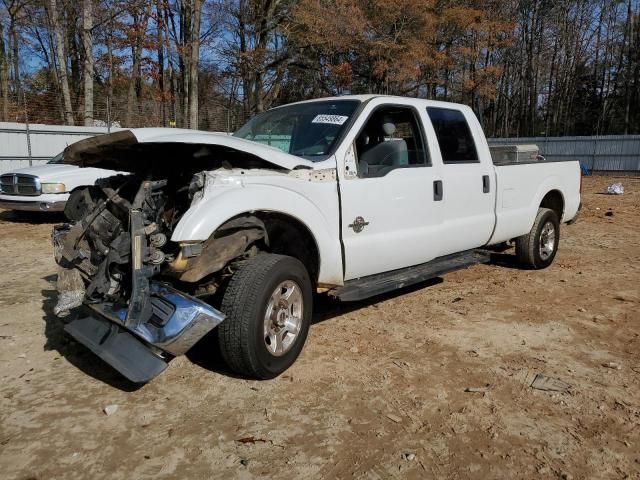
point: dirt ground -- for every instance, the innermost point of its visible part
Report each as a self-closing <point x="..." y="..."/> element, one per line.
<point x="379" y="390"/>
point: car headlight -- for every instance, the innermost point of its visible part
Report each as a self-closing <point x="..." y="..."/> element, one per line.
<point x="53" y="188"/>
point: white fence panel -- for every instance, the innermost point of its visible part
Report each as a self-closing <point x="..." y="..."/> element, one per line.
<point x="611" y="153"/>
<point x="44" y="141"/>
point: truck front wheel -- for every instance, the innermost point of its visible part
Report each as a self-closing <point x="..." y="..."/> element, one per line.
<point x="538" y="248"/>
<point x="268" y="305"/>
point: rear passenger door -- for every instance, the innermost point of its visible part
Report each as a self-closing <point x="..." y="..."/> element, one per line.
<point x="468" y="184"/>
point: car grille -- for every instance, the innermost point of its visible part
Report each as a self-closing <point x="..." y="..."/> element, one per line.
<point x="15" y="184"/>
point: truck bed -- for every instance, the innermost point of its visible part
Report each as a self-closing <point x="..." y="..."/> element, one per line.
<point x="521" y="188"/>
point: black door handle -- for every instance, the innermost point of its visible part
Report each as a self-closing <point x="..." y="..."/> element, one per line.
<point x="486" y="185"/>
<point x="437" y="190"/>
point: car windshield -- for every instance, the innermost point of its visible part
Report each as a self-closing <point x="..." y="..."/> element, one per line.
<point x="307" y="130"/>
<point x="57" y="159"/>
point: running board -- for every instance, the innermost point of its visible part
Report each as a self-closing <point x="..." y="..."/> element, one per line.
<point x="365" y="287"/>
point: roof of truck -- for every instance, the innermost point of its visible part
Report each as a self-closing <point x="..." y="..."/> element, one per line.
<point x="367" y="97"/>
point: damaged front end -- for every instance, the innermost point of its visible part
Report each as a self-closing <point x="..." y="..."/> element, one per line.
<point x="111" y="259"/>
<point x="143" y="298"/>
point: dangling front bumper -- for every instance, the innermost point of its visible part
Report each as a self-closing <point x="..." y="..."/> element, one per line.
<point x="140" y="351"/>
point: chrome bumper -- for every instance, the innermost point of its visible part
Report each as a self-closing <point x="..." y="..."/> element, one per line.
<point x="33" y="206"/>
<point x="142" y="351"/>
<point x="177" y="323"/>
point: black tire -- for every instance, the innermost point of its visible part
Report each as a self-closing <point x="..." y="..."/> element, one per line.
<point x="528" y="247"/>
<point x="241" y="335"/>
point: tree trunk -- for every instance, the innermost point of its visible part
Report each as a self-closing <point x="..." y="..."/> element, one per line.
<point x="4" y="78"/>
<point x="13" y="41"/>
<point x="193" y="64"/>
<point x="161" y="70"/>
<point x="87" y="44"/>
<point x="136" y="55"/>
<point x="184" y="56"/>
<point x="110" y="80"/>
<point x="140" y="21"/>
<point x="62" y="62"/>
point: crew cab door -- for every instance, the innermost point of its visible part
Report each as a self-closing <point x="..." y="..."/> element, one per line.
<point x="468" y="178"/>
<point x="390" y="214"/>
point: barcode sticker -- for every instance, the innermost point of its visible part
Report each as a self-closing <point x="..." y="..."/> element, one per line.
<point x="332" y="119"/>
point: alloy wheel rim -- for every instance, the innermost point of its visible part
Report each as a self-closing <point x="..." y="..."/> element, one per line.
<point x="283" y="318"/>
<point x="547" y="240"/>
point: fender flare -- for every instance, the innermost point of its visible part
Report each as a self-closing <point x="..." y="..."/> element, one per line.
<point x="550" y="184"/>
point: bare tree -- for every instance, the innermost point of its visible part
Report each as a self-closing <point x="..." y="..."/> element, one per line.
<point x="4" y="77"/>
<point x="87" y="45"/>
<point x="140" y="18"/>
<point x="61" y="61"/>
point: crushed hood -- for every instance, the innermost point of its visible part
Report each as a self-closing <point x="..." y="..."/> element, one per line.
<point x="140" y="149"/>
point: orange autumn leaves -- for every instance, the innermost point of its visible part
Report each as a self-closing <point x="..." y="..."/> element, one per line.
<point x="396" y="46"/>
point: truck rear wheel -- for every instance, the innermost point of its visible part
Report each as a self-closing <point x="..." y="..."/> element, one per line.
<point x="538" y="248"/>
<point x="268" y="305"/>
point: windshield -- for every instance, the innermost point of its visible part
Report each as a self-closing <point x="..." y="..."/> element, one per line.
<point x="57" y="159"/>
<point x="308" y="129"/>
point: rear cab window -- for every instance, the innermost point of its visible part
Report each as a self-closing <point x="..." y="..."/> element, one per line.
<point x="454" y="135"/>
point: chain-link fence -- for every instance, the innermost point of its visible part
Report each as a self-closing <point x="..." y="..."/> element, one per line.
<point x="34" y="104"/>
<point x="35" y="125"/>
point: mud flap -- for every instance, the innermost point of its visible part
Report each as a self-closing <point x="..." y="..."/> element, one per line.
<point x="117" y="347"/>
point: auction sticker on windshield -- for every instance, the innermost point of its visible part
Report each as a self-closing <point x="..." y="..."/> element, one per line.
<point x="332" y="119"/>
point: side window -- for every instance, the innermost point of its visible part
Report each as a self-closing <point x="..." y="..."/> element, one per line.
<point x="454" y="136"/>
<point x="390" y="139"/>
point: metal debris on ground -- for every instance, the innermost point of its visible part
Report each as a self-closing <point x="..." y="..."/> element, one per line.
<point x="549" y="384"/>
<point x="613" y="365"/>
<point x="110" y="410"/>
<point x="615" y="189"/>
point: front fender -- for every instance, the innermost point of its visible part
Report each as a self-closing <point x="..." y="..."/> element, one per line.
<point x="222" y="203"/>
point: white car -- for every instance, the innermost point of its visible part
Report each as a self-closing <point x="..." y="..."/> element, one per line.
<point x="45" y="188"/>
<point x="349" y="196"/>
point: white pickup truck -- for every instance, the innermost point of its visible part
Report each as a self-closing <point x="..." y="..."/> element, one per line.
<point x="350" y="196"/>
<point x="45" y="188"/>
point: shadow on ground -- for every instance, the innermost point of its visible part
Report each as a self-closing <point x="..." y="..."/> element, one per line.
<point x="76" y="354"/>
<point x="506" y="260"/>
<point x="206" y="353"/>
<point x="32" y="218"/>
